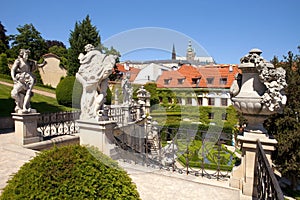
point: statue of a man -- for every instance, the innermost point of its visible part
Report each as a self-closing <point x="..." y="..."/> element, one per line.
<point x="93" y="74"/>
<point x="24" y="80"/>
<point x="126" y="90"/>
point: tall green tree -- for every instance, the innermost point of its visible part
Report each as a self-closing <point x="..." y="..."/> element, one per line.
<point x="4" y="69"/>
<point x="285" y="126"/>
<point x="84" y="33"/>
<point x="28" y="38"/>
<point x="4" y="43"/>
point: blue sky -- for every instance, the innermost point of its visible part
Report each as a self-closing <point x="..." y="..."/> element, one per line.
<point x="227" y="30"/>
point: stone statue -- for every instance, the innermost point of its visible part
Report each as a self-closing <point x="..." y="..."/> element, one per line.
<point x="126" y="90"/>
<point x="93" y="74"/>
<point x="24" y="80"/>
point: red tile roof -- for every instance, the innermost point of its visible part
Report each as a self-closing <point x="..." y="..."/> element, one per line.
<point x="132" y="71"/>
<point x="190" y="73"/>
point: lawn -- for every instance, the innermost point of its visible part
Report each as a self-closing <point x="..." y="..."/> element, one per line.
<point x="6" y="79"/>
<point x="39" y="102"/>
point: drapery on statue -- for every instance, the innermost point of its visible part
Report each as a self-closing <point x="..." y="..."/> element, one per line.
<point x="93" y="75"/>
<point x="24" y="80"/>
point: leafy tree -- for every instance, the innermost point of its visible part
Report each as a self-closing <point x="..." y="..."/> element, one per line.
<point x="51" y="43"/>
<point x="111" y="51"/>
<point x="3" y="39"/>
<point x="151" y="88"/>
<point x="285" y="126"/>
<point x="28" y="38"/>
<point x="4" y="69"/>
<point x="84" y="33"/>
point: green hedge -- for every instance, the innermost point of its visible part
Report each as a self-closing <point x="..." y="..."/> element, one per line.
<point x="64" y="91"/>
<point x="70" y="172"/>
<point x="69" y="91"/>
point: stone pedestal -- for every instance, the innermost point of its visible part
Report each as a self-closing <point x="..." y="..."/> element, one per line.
<point x="98" y="134"/>
<point x="26" y="128"/>
<point x="242" y="176"/>
<point x="126" y="114"/>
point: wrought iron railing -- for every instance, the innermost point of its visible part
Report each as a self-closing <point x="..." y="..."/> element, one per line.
<point x="267" y="184"/>
<point x="201" y="153"/>
<point x="60" y="123"/>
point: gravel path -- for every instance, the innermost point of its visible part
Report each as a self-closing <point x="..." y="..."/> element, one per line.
<point x="48" y="94"/>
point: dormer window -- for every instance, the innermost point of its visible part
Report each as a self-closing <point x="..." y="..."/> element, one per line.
<point x="181" y="81"/>
<point x="195" y="80"/>
<point x="210" y="80"/>
<point x="167" y="81"/>
<point x="223" y="81"/>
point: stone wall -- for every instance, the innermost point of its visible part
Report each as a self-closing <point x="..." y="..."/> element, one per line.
<point x="52" y="72"/>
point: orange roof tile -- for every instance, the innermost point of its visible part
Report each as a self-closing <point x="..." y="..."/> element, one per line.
<point x="190" y="74"/>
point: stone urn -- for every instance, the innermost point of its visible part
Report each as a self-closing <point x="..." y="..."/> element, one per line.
<point x="257" y="91"/>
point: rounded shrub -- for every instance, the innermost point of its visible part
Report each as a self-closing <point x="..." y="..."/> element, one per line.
<point x="64" y="91"/>
<point x="70" y="172"/>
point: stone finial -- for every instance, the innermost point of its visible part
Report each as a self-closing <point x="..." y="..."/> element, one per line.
<point x="273" y="78"/>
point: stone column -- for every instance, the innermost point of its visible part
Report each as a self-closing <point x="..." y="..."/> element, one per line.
<point x="243" y="175"/>
<point x="26" y="128"/>
<point x="126" y="114"/>
<point x="98" y="134"/>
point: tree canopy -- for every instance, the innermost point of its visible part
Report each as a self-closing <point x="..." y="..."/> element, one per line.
<point x="28" y="38"/>
<point x="285" y="126"/>
<point x="3" y="39"/>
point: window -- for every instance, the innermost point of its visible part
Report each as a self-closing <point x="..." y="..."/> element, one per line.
<point x="211" y="115"/>
<point x="160" y="99"/>
<point x="210" y="80"/>
<point x="211" y="101"/>
<point x="224" y="116"/>
<point x="167" y="81"/>
<point x="200" y="101"/>
<point x="179" y="100"/>
<point x="189" y="100"/>
<point x="195" y="80"/>
<point x="180" y="81"/>
<point x="224" y="102"/>
<point x="223" y="81"/>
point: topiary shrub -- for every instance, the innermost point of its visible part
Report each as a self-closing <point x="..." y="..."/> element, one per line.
<point x="70" y="172"/>
<point x="64" y="91"/>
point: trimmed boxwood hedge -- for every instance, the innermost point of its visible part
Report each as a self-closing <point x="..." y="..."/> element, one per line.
<point x="64" y="91"/>
<point x="69" y="91"/>
<point x="70" y="172"/>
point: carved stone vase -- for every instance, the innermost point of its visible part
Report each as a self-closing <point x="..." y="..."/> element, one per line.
<point x="255" y="94"/>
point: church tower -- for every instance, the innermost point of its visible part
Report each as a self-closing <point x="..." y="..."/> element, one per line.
<point x="173" y="53"/>
<point x="190" y="53"/>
